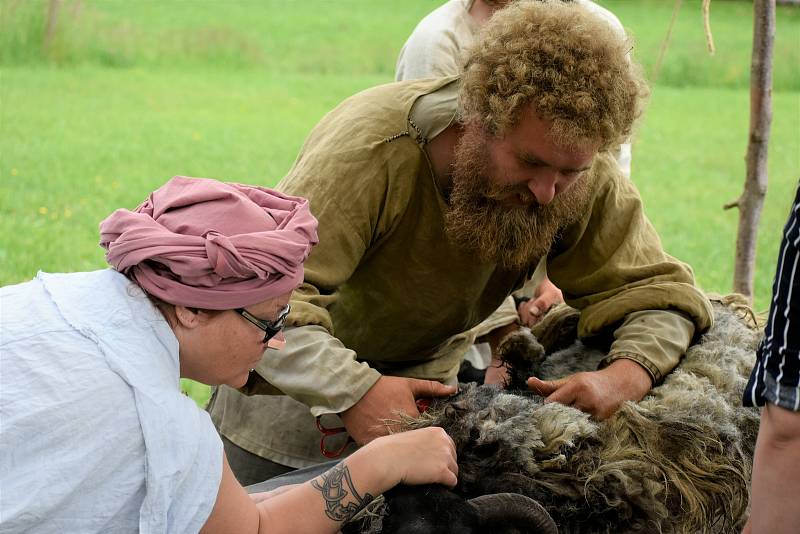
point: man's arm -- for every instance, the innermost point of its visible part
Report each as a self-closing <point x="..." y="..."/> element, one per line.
<point x="319" y="371"/>
<point x="316" y="368"/>
<point x="648" y="345"/>
<point x="358" y="189"/>
<point x="610" y="265"/>
<point x="626" y="374"/>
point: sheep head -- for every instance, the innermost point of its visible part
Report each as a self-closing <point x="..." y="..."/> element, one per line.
<point x="434" y="509"/>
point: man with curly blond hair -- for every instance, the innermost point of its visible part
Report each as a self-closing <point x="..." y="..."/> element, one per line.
<point x="436" y="48"/>
<point x="436" y="199"/>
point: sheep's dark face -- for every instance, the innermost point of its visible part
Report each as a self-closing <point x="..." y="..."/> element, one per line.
<point x="428" y="510"/>
<point x="434" y="509"/>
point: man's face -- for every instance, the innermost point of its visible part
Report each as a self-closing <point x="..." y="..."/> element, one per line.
<point x="512" y="194"/>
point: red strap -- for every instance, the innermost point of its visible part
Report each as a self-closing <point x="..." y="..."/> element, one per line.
<point x="423" y="404"/>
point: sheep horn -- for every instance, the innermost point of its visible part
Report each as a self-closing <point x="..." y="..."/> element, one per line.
<point x="514" y="507"/>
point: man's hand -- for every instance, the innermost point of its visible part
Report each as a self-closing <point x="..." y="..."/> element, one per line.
<point x="545" y="296"/>
<point x="599" y="393"/>
<point x="390" y="394"/>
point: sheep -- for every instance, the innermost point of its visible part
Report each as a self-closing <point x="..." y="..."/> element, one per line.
<point x="679" y="460"/>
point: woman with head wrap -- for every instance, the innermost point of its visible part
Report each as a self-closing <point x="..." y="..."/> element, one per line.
<point x="96" y="435"/>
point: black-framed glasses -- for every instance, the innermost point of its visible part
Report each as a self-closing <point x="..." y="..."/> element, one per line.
<point x="270" y="328"/>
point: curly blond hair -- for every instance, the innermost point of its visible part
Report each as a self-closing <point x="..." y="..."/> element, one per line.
<point x="568" y="63"/>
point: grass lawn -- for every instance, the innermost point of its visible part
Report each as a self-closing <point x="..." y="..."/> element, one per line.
<point x="689" y="161"/>
<point x="128" y="94"/>
<point x="120" y="133"/>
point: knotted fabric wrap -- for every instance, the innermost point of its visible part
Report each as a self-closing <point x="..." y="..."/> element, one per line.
<point x="202" y="243"/>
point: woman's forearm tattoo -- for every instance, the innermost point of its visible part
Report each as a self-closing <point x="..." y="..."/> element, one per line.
<point x="342" y="501"/>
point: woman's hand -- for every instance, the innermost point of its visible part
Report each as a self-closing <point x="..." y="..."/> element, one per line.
<point x="423" y="456"/>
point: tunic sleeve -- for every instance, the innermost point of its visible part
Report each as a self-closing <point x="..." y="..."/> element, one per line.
<point x="357" y="200"/>
<point x="655" y="339"/>
<point x="319" y="371"/>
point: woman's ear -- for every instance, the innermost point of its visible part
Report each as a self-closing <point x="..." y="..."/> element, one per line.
<point x="187" y="317"/>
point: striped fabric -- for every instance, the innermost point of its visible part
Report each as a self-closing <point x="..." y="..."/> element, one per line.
<point x="776" y="376"/>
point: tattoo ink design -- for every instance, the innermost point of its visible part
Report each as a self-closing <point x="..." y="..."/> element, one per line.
<point x="342" y="501"/>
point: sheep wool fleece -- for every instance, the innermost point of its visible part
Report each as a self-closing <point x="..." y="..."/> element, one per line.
<point x="678" y="461"/>
<point x="386" y="292"/>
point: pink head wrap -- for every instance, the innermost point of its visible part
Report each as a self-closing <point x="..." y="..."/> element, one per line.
<point x="206" y="244"/>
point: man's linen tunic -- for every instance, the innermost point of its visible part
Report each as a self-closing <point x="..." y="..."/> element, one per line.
<point x="437" y="48"/>
<point x="385" y="291"/>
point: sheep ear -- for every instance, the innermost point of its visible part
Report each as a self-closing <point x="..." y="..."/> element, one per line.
<point x="512" y="509"/>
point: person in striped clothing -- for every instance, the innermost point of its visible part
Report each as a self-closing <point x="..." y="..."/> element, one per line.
<point x="774" y="385"/>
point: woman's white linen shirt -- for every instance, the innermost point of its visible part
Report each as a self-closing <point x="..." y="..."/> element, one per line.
<point x="95" y="434"/>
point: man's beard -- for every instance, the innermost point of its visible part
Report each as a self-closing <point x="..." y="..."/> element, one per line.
<point x="515" y="237"/>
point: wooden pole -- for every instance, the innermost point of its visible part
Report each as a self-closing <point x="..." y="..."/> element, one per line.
<point x="755" y="186"/>
<point x="53" y="9"/>
<point x="665" y="43"/>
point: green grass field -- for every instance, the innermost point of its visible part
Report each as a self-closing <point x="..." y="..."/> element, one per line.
<point x="128" y="94"/>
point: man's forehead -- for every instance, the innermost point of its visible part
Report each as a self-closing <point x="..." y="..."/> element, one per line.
<point x="533" y="138"/>
<point x="564" y="157"/>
